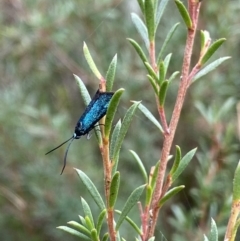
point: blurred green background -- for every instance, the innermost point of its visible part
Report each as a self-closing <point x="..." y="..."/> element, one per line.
<point x="40" y="48"/>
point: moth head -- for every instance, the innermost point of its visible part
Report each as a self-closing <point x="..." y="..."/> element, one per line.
<point x="79" y="131"/>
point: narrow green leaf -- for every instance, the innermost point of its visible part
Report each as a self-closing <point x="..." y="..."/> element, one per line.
<point x="209" y="68"/>
<point x="149" y="16"/>
<point x="79" y="227"/>
<point x="212" y="49"/>
<point x="151" y="239"/>
<point x="166" y="41"/>
<point x="110" y="76"/>
<point x="82" y="219"/>
<point x="124" y="128"/>
<point x="203" y="111"/>
<point x="90" y="61"/>
<point x="83" y="90"/>
<point x="118" y="238"/>
<point x="161" y="7"/>
<point x="148" y="198"/>
<point x="91" y="188"/>
<point x="184" y="13"/>
<point x="141" y="28"/>
<point x="131" y="201"/>
<point x="205" y="38"/>
<point x="141" y="5"/>
<point x="105" y="237"/>
<point x="236" y="184"/>
<point x="225" y="108"/>
<point x="214" y="232"/>
<point x="202" y="39"/>
<point x="210" y="115"/>
<point x="89" y="223"/>
<point x="114" y="137"/>
<point x="173" y="76"/>
<point x="183" y="164"/>
<point x="114" y="189"/>
<point x="150" y="116"/>
<point x="101" y="217"/>
<point x="115" y="164"/>
<point x="179" y="214"/>
<point x="73" y="232"/>
<point x="87" y="211"/>
<point x="151" y="71"/>
<point x="155" y="5"/>
<point x="161" y="72"/>
<point x="141" y="166"/>
<point x="163" y="92"/>
<point x="112" y="108"/>
<point x="154" y="176"/>
<point x="178" y="157"/>
<point x="138" y="49"/>
<point x="153" y="83"/>
<point x="172" y="192"/>
<point x="94" y="235"/>
<point x="166" y="63"/>
<point x="205" y="238"/>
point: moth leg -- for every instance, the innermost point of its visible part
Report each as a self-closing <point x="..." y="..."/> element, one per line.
<point x="99" y="125"/>
<point x="89" y="135"/>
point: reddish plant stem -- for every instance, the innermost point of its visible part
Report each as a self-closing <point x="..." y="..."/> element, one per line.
<point x="163" y="119"/>
<point x="107" y="179"/>
<point x="107" y="167"/>
<point x="161" y="110"/>
<point x="194" y="71"/>
<point x="152" y="55"/>
<point x="147" y="212"/>
<point x="166" y="185"/>
<point x="110" y="219"/>
<point x="143" y="220"/>
<point x="230" y="234"/>
<point x="194" y="12"/>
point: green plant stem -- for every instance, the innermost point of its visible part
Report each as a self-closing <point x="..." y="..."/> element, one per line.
<point x="193" y="8"/>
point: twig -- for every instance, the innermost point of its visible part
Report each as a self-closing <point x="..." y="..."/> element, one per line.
<point x="193" y="8"/>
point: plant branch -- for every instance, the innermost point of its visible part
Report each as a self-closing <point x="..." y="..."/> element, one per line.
<point x="107" y="166"/>
<point x="163" y="119"/>
<point x="230" y="234"/>
<point x="107" y="179"/>
<point x="152" y="55"/>
<point x="193" y="8"/>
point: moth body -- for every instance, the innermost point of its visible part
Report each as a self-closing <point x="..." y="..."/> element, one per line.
<point x="96" y="109"/>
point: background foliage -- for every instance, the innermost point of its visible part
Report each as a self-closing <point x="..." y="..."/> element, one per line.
<point x="40" y="48"/>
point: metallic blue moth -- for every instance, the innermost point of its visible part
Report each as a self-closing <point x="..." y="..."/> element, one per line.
<point x="96" y="109"/>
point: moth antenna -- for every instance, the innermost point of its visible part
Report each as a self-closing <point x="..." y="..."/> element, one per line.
<point x="61" y="144"/>
<point x="65" y="157"/>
